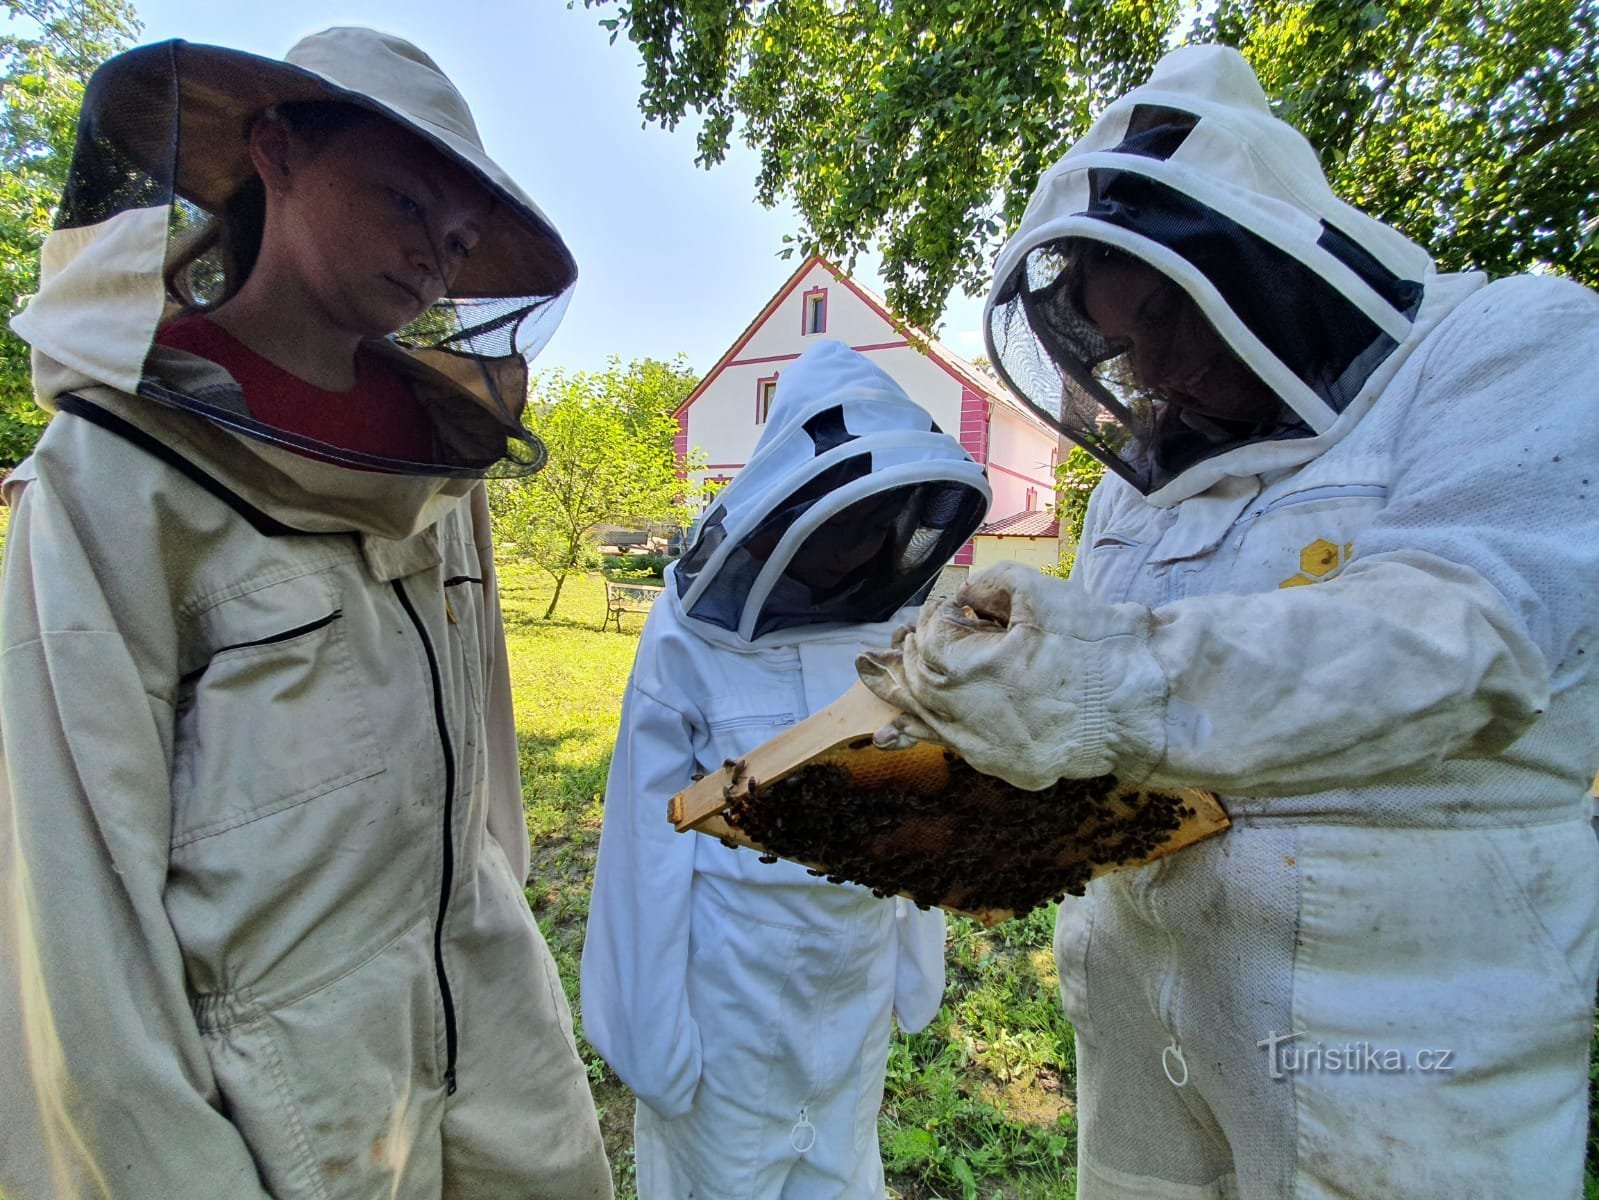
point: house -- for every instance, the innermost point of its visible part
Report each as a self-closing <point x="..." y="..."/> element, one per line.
<point x="1029" y="537"/>
<point x="724" y="414"/>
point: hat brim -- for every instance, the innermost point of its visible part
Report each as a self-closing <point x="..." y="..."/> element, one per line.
<point x="219" y="92"/>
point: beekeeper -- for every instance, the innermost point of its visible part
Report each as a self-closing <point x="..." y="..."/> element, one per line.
<point x="1342" y="571"/>
<point x="262" y="848"/>
<point x="748" y="1004"/>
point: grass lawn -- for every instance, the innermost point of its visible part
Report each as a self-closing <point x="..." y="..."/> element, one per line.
<point x="977" y="1106"/>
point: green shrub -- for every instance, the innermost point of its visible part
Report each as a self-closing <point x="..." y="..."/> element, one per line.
<point x="634" y="568"/>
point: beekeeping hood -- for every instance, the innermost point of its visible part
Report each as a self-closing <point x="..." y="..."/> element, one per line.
<point x="163" y="144"/>
<point x="851" y="503"/>
<point x="1191" y="174"/>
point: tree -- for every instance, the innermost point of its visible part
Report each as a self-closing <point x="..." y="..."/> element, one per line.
<point x="1075" y="479"/>
<point x="1469" y="124"/>
<point x="610" y="438"/>
<point x="925" y="124"/>
<point x="42" y="76"/>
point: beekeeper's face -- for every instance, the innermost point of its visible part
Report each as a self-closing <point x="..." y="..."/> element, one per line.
<point x="1172" y="349"/>
<point x="373" y="221"/>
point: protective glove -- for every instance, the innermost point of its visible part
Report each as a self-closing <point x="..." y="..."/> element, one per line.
<point x="1026" y="678"/>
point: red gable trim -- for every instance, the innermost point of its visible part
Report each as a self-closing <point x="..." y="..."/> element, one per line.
<point x="772" y="358"/>
<point x="963" y="373"/>
<point x="934" y="350"/>
<point x="749" y="331"/>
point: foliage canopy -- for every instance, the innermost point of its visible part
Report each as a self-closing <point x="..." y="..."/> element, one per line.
<point x="48" y="50"/>
<point x="610" y="436"/>
<point x="923" y="125"/>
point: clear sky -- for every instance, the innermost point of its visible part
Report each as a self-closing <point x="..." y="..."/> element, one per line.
<point x="672" y="258"/>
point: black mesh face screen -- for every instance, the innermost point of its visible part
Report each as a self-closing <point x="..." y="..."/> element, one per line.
<point x="722" y="602"/>
<point x="1300" y="317"/>
<point x="698" y="555"/>
<point x="1081" y="382"/>
<point x="481" y="344"/>
<point x="870" y="559"/>
<point x="126" y="152"/>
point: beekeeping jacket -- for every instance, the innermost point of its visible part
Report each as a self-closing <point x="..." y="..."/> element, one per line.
<point x="748" y="1004"/>
<point x="1370" y="625"/>
<point x="262" y="850"/>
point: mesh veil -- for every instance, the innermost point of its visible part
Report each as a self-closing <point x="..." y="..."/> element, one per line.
<point x="146" y="140"/>
<point x="1293" y="324"/>
<point x="873" y="557"/>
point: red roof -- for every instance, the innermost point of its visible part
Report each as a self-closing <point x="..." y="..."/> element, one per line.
<point x="1023" y="524"/>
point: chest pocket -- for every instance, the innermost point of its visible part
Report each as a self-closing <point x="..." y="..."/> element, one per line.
<point x="1111" y="564"/>
<point x="272" y="715"/>
<point x="1303" y="538"/>
<point x="738" y="722"/>
<point x="464" y="614"/>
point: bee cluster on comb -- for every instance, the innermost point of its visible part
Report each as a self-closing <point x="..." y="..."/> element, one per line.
<point x="979" y="845"/>
<point x="923" y="823"/>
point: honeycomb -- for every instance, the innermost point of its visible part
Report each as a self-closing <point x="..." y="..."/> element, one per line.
<point x="923" y="823"/>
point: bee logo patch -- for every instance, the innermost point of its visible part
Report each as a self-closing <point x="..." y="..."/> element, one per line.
<point x="1320" y="561"/>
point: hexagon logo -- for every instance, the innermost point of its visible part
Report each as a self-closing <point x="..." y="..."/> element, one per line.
<point x="1320" y="558"/>
<point x="1320" y="561"/>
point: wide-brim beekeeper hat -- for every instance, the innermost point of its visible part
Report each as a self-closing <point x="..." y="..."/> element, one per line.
<point x="219" y="92"/>
<point x="162" y="147"/>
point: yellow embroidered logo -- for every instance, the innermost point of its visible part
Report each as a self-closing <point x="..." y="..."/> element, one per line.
<point x="1319" y="561"/>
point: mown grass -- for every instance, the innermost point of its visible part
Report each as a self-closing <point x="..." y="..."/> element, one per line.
<point x="978" y="1105"/>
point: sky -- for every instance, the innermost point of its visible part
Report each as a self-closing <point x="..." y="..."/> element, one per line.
<point x="672" y="258"/>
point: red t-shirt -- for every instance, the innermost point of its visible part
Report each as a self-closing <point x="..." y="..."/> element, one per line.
<point x="379" y="415"/>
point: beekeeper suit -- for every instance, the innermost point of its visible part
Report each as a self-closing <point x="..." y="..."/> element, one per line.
<point x="1362" y="612"/>
<point x="748" y="1004"/>
<point x="262" y="848"/>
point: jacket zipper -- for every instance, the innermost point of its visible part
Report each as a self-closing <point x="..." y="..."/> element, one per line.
<point x="449" y="843"/>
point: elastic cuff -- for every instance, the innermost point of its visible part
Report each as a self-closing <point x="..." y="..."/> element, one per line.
<point x="1135" y="709"/>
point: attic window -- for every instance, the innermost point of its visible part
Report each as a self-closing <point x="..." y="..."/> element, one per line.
<point x="814" y="311"/>
<point x="765" y="389"/>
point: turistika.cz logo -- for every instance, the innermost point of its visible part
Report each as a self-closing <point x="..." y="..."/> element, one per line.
<point x="1286" y="1055"/>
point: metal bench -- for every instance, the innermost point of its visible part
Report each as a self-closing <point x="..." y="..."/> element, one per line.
<point x="627" y="597"/>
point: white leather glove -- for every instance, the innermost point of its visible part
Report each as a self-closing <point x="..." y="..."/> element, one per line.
<point x="1026" y="678"/>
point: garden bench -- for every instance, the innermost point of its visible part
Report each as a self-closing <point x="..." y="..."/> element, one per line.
<point x="627" y="597"/>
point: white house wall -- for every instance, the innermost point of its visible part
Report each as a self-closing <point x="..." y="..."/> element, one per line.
<point x="720" y="418"/>
<point x="1020" y="459"/>
<point x="849" y="319"/>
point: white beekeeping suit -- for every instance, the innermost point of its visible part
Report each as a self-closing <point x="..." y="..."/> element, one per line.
<point x="748" y="1004"/>
<point x="1364" y="614"/>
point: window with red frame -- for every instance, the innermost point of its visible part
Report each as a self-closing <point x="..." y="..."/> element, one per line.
<point x="814" y="311"/>
<point x="765" y="390"/>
